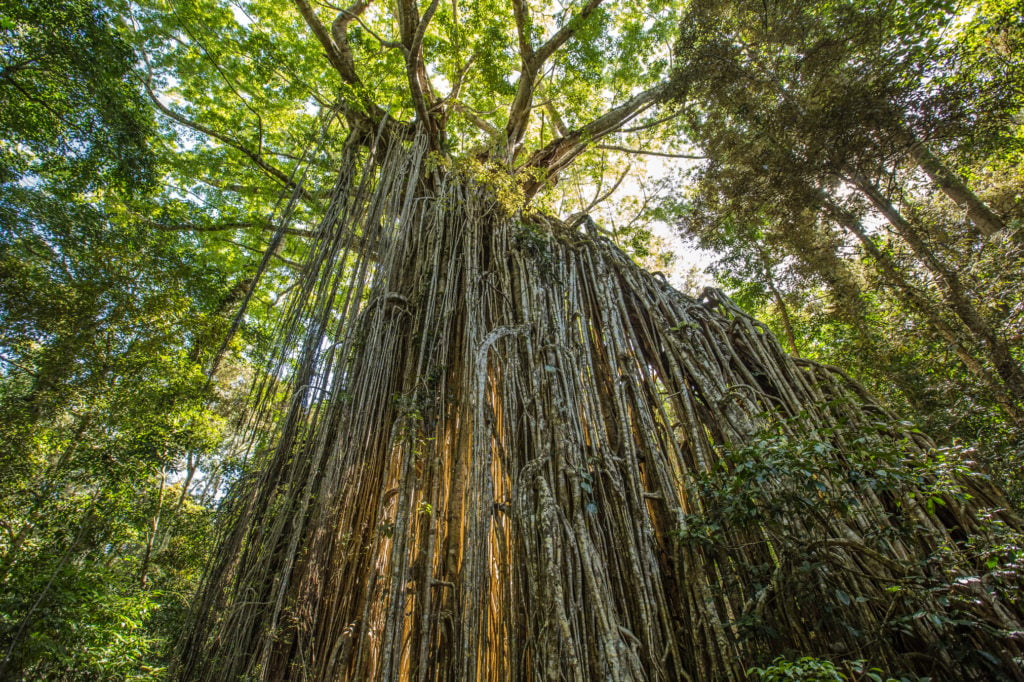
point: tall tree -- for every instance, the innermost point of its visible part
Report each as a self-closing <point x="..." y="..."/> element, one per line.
<point x="509" y="453"/>
<point x="104" y="408"/>
<point x="839" y="133"/>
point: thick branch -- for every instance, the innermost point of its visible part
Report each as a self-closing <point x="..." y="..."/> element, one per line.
<point x="648" y="152"/>
<point x="653" y="124"/>
<point x="346" y="61"/>
<point x="421" y="29"/>
<point x="255" y="156"/>
<point x="334" y="53"/>
<point x="556" y="119"/>
<point x="339" y="31"/>
<point x="563" y="34"/>
<point x="376" y="36"/>
<point x="419" y="82"/>
<point x="987" y="222"/>
<point x="474" y="118"/>
<point x="521" y="12"/>
<point x="531" y="64"/>
<point x="408" y="21"/>
<point x="413" y="29"/>
<point x="559" y="153"/>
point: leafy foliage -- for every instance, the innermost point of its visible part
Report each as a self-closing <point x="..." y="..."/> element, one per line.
<point x="823" y="479"/>
<point x="104" y="405"/>
<point x="68" y="108"/>
<point x="810" y="668"/>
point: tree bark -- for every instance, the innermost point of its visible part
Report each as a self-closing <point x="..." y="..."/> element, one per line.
<point x="487" y="469"/>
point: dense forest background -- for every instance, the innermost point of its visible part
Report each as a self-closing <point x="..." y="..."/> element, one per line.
<point x="855" y="168"/>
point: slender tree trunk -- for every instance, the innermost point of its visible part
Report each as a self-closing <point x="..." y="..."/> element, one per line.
<point x="787" y="323"/>
<point x="978" y="212"/>
<point x="996" y="347"/>
<point x="192" y="462"/>
<point x="924" y="307"/>
<point x="151" y="535"/>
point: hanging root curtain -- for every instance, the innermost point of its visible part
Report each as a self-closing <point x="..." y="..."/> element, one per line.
<point x="509" y="453"/>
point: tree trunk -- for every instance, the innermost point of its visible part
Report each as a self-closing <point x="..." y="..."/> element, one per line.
<point x="917" y="302"/>
<point x="995" y="345"/>
<point x="154" y="526"/>
<point x="978" y="212"/>
<point x="489" y="465"/>
<point x="787" y="324"/>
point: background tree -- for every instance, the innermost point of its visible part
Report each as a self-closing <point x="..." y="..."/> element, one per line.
<point x="105" y="325"/>
<point x="858" y="153"/>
